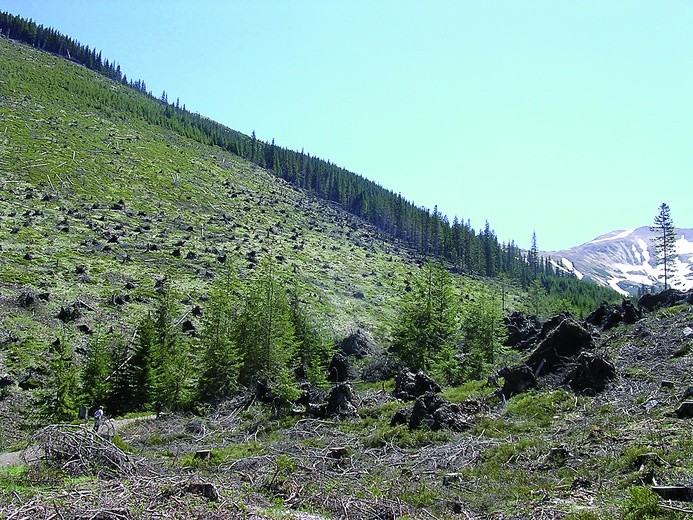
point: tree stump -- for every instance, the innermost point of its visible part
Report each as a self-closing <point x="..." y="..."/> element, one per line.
<point x="685" y="410"/>
<point x="203" y="454"/>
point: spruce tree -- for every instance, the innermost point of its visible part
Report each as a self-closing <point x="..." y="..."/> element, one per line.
<point x="314" y="352"/>
<point x="665" y="241"/>
<point x="220" y="359"/>
<point x="59" y="395"/>
<point x="94" y="383"/>
<point x="171" y="359"/>
<point x="536" y="295"/>
<point x="425" y="333"/>
<point x="484" y="333"/>
<point x="266" y="338"/>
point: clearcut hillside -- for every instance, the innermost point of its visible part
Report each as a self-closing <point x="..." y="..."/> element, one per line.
<point x="97" y="207"/>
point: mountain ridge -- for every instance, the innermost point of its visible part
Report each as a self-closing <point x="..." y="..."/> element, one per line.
<point x="625" y="261"/>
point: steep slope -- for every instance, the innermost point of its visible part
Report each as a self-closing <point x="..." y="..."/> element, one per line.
<point x="625" y="261"/>
<point x="97" y="208"/>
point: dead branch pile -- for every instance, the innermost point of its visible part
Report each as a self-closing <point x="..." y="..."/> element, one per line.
<point x="78" y="451"/>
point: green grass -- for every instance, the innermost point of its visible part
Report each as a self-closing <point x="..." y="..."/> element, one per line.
<point x="541" y="408"/>
<point x="226" y="454"/>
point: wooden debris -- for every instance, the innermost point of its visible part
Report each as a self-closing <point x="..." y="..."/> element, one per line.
<point x="203" y="454"/>
<point x="678" y="493"/>
<point x="685" y="410"/>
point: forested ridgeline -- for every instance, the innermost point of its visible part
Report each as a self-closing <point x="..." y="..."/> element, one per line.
<point x="428" y="232"/>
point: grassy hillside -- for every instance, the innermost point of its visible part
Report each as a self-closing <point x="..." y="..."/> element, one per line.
<point x="97" y="207"/>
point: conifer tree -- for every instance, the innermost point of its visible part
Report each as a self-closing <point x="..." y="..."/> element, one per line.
<point x="665" y="241"/>
<point x="425" y="333"/>
<point x="132" y="377"/>
<point x="484" y="333"/>
<point x="94" y="383"/>
<point x="171" y="360"/>
<point x="536" y="294"/>
<point x="266" y="341"/>
<point x="220" y="357"/>
<point x="314" y="353"/>
<point x="533" y="256"/>
<point x="60" y="393"/>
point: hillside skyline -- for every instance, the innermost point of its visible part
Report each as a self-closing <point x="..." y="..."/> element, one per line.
<point x="500" y="106"/>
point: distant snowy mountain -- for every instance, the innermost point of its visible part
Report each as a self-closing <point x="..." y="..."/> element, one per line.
<point x="626" y="261"/>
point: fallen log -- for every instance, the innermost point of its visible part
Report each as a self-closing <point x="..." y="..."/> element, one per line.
<point x="678" y="493"/>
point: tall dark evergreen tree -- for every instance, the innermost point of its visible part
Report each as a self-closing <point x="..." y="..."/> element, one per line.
<point x="94" y="383"/>
<point x="425" y="333"/>
<point x="171" y="365"/>
<point x="59" y="395"/>
<point x="267" y="344"/>
<point x="665" y="241"/>
<point x="220" y="357"/>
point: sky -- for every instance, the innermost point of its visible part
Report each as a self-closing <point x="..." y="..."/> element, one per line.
<point x="561" y="118"/>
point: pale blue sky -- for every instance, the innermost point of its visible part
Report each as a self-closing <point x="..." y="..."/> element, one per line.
<point x="571" y="119"/>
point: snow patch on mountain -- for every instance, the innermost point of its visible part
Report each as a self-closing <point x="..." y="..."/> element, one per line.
<point x="625" y="260"/>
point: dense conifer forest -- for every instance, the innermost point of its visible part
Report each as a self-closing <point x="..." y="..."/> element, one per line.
<point x="426" y="231"/>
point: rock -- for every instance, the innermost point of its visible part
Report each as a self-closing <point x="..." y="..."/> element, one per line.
<point x="687" y="332"/>
<point x="517" y="379"/>
<point x="685" y="410"/>
<point x="339" y="369"/>
<point x="409" y="386"/>
<point x="568" y="339"/>
<point x="591" y="373"/>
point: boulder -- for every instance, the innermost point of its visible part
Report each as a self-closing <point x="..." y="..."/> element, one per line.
<point x="591" y="373"/>
<point x="409" y="386"/>
<point x="517" y="379"/>
<point x="566" y="340"/>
